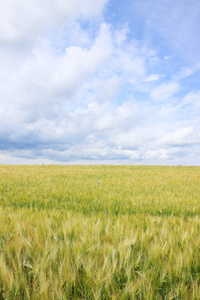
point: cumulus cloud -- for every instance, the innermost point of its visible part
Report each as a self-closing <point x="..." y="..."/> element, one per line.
<point x="74" y="88"/>
<point x="21" y="21"/>
<point x="181" y="137"/>
<point x="156" y="154"/>
<point x="121" y="35"/>
<point x="79" y="63"/>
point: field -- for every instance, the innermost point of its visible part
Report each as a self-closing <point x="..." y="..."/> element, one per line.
<point x="99" y="232"/>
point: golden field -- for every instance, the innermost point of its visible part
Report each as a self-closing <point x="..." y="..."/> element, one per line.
<point x="99" y="232"/>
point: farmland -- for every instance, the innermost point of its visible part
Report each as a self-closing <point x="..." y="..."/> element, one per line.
<point x="99" y="232"/>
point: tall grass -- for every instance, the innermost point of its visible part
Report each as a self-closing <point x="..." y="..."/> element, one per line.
<point x="99" y="232"/>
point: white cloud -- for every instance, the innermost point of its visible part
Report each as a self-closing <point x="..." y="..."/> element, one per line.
<point x="166" y="57"/>
<point x="186" y="72"/>
<point x="74" y="88"/>
<point x="192" y="99"/>
<point x="23" y="20"/>
<point x="40" y="80"/>
<point x="181" y="137"/>
<point x="156" y="154"/>
<point x="164" y="91"/>
<point x="121" y="36"/>
<point x="153" y="77"/>
<point x="79" y="63"/>
<point x="105" y="89"/>
<point x="126" y="153"/>
<point x="131" y="62"/>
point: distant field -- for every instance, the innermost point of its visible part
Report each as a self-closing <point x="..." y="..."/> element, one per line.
<point x="99" y="232"/>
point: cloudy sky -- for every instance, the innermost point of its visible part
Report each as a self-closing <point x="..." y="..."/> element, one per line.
<point x="104" y="81"/>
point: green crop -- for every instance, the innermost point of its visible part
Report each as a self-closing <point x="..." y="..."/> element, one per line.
<point x="99" y="232"/>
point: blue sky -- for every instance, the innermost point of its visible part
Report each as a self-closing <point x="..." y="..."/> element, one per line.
<point x="85" y="82"/>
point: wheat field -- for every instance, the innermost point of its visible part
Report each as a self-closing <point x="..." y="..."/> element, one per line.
<point x="99" y="232"/>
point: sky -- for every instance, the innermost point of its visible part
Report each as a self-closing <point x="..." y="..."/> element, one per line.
<point x="100" y="82"/>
